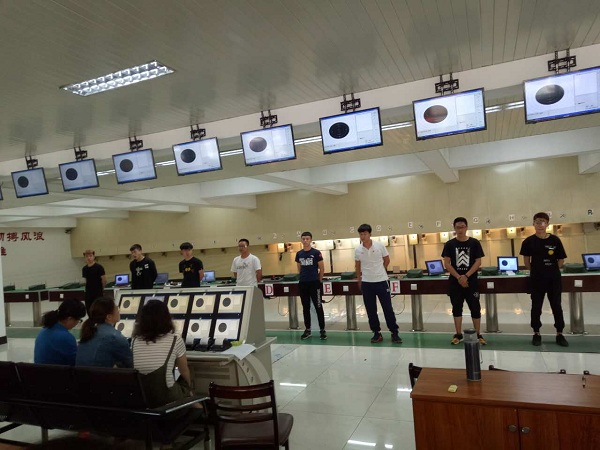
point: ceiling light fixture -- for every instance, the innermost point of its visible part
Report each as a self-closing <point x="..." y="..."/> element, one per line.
<point x="120" y="78"/>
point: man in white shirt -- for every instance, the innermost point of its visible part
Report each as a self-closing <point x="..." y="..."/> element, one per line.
<point x="371" y="259"/>
<point x="246" y="267"/>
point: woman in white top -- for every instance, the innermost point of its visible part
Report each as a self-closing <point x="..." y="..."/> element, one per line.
<point x="157" y="350"/>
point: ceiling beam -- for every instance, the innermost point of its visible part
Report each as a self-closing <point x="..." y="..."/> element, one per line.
<point x="437" y="161"/>
<point x="589" y="163"/>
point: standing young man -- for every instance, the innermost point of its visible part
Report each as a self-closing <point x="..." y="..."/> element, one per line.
<point x="95" y="279"/>
<point x="311" y="268"/>
<point x="143" y="269"/>
<point x="544" y="256"/>
<point x="191" y="267"/>
<point x="371" y="261"/>
<point x="462" y="258"/>
<point x="246" y="267"/>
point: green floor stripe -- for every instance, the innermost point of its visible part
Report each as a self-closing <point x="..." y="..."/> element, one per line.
<point x="577" y="344"/>
<point x="511" y="342"/>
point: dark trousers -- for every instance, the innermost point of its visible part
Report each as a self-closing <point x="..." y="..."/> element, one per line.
<point x="370" y="292"/>
<point x="553" y="288"/>
<point x="311" y="291"/>
<point x="89" y="299"/>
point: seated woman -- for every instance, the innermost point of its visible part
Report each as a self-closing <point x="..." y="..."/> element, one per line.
<point x="54" y="344"/>
<point x="156" y="353"/>
<point x="100" y="345"/>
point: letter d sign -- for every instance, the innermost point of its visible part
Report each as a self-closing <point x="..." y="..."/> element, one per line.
<point x="268" y="290"/>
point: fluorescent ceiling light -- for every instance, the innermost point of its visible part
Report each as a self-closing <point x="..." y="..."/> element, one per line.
<point x="125" y="77"/>
<point x="394" y="126"/>
<point x="514" y="105"/>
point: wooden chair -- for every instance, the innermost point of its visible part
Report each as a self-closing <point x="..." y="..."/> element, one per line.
<point x="242" y="423"/>
<point x="413" y="373"/>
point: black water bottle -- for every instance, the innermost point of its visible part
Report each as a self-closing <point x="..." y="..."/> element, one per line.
<point x="472" y="359"/>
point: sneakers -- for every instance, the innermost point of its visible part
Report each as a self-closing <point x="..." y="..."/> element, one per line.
<point x="560" y="340"/>
<point x="377" y="338"/>
<point x="396" y="339"/>
<point x="306" y="334"/>
<point x="456" y="339"/>
<point x="482" y="340"/>
<point x="323" y="335"/>
<point x="537" y="340"/>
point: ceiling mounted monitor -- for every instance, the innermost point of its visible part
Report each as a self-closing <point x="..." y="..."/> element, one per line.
<point x="450" y="114"/>
<point x="134" y="166"/>
<point x="563" y="95"/>
<point x="268" y="145"/>
<point x="30" y="182"/>
<point x="197" y="156"/>
<point x="78" y="175"/>
<point x="358" y="129"/>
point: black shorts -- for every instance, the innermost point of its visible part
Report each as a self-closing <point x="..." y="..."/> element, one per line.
<point x="458" y="295"/>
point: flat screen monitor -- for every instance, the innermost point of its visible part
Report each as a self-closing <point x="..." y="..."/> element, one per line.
<point x="508" y="263"/>
<point x="268" y="145"/>
<point x="1" y="197"/>
<point x="78" y="175"/>
<point x="562" y="95"/>
<point x="358" y="129"/>
<point x="178" y="303"/>
<point x="126" y="327"/>
<point x="591" y="261"/>
<point x="29" y="183"/>
<point x="130" y="304"/>
<point x="226" y="328"/>
<point x="197" y="156"/>
<point x="209" y="276"/>
<point x="435" y="267"/>
<point x="161" y="278"/>
<point x="134" y="166"/>
<point x="122" y="279"/>
<point x="450" y="114"/>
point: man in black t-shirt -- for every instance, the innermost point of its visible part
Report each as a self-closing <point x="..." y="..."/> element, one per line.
<point x="462" y="258"/>
<point x="95" y="279"/>
<point x="544" y="256"/>
<point x="311" y="268"/>
<point x="191" y="267"/>
<point x="143" y="269"/>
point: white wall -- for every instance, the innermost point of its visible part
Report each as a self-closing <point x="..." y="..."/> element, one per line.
<point x="46" y="259"/>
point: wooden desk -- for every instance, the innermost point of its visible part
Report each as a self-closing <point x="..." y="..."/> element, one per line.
<point x="506" y="410"/>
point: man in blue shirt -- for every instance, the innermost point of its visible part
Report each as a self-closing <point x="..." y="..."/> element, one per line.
<point x="311" y="268"/>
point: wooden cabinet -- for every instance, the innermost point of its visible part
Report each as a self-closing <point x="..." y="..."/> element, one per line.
<point x="506" y="411"/>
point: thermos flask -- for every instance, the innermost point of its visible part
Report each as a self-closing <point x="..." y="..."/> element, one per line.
<point x="472" y="358"/>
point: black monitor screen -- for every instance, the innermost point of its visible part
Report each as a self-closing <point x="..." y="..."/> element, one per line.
<point x="1" y="197"/>
<point x="591" y="261"/>
<point x="268" y="145"/>
<point x="350" y="131"/>
<point x="78" y="175"/>
<point x="134" y="166"/>
<point x="197" y="156"/>
<point x="508" y="263"/>
<point x="209" y="276"/>
<point x="450" y="114"/>
<point x="161" y="278"/>
<point x="435" y="267"/>
<point x="30" y="182"/>
<point x="562" y="95"/>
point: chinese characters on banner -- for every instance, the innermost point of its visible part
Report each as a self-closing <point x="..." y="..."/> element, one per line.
<point x="14" y="236"/>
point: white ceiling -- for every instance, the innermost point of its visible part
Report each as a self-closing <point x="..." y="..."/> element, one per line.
<point x="234" y="58"/>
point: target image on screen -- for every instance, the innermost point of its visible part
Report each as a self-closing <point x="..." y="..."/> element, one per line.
<point x="134" y="166"/>
<point x="29" y="183"/>
<point x="591" y="261"/>
<point x="450" y="114"/>
<point x="563" y="95"/>
<point x="197" y="156"/>
<point x="178" y="304"/>
<point x="351" y="131"/>
<point x="126" y="327"/>
<point x="122" y="279"/>
<point x="78" y="175"/>
<point x="198" y="328"/>
<point x="268" y="145"/>
<point x="435" y="267"/>
<point x="508" y="263"/>
<point x="130" y="304"/>
<point x="227" y="329"/>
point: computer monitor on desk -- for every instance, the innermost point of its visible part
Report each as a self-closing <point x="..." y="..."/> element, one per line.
<point x="435" y="267"/>
<point x="161" y="279"/>
<point x="209" y="276"/>
<point x="591" y="261"/>
<point x="122" y="279"/>
<point x="508" y="263"/>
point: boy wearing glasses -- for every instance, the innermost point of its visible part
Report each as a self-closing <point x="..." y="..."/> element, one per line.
<point x="246" y="268"/>
<point x="544" y="256"/>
